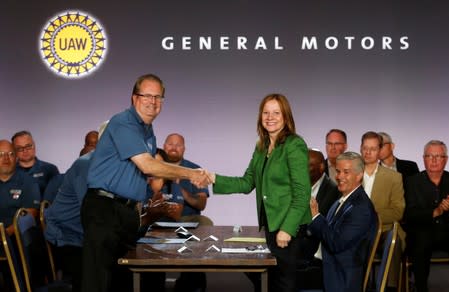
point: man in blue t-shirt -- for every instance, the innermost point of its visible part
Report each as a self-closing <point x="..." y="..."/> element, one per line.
<point x="27" y="161"/>
<point x="117" y="180"/>
<point x="183" y="191"/>
<point x="63" y="222"/>
<point x="17" y="189"/>
<point x="194" y="200"/>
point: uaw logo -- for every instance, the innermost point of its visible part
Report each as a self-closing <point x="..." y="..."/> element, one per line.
<point x="73" y="44"/>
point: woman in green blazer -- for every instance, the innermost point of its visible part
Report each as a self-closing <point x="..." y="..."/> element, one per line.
<point x="278" y="171"/>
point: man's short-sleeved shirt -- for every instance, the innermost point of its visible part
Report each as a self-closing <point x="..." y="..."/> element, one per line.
<point x="42" y="172"/>
<point x="63" y="216"/>
<point x="176" y="193"/>
<point x="52" y="187"/>
<point x="20" y="191"/>
<point x="111" y="168"/>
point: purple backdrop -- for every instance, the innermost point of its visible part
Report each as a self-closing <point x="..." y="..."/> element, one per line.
<point x="213" y="95"/>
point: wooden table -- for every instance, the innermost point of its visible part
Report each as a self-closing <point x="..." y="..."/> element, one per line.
<point x="166" y="258"/>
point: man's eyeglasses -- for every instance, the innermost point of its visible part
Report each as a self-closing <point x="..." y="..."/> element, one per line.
<point x="434" y="156"/>
<point x="336" y="144"/>
<point x="25" y="148"/>
<point x="9" y="154"/>
<point x="148" y="97"/>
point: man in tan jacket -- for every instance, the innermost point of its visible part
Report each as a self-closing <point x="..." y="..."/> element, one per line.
<point x="384" y="187"/>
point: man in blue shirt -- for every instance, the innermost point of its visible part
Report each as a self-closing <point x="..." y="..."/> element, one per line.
<point x="194" y="200"/>
<point x="183" y="191"/>
<point x="64" y="230"/>
<point x="27" y="161"/>
<point x="117" y="180"/>
<point x="17" y="189"/>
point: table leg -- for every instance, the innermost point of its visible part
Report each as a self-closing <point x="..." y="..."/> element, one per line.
<point x="264" y="281"/>
<point x="136" y="281"/>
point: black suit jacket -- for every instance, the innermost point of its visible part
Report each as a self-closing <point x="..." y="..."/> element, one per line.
<point x="327" y="195"/>
<point x="406" y="167"/>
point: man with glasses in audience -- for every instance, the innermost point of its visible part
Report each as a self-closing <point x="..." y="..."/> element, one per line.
<point x="385" y="189"/>
<point x="389" y="160"/>
<point x="27" y="161"/>
<point x="336" y="144"/>
<point x="17" y="189"/>
<point x="427" y="212"/>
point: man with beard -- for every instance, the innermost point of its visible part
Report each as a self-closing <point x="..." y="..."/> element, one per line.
<point x="194" y="200"/>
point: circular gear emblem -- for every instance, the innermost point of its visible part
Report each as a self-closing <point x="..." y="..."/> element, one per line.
<point x="73" y="44"/>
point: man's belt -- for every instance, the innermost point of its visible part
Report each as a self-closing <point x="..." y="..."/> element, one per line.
<point x="121" y="200"/>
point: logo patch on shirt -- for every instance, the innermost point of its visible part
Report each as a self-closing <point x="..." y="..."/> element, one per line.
<point x="39" y="174"/>
<point x="15" y="193"/>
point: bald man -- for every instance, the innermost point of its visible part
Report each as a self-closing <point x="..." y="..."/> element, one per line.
<point x="17" y="189"/>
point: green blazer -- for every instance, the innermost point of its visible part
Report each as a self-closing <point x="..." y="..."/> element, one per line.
<point x="283" y="187"/>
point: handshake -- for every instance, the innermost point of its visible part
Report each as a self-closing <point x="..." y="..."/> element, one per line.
<point x="201" y="178"/>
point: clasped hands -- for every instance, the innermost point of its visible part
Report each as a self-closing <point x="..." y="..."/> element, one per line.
<point x="158" y="207"/>
<point x="201" y="178"/>
<point x="442" y="207"/>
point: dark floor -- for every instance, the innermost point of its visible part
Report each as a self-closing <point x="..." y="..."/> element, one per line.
<point x="219" y="282"/>
<point x="238" y="282"/>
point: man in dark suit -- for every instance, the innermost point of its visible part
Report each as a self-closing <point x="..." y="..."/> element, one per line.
<point x="427" y="212"/>
<point x="323" y="188"/>
<point x="348" y="229"/>
<point x="325" y="191"/>
<point x="387" y="159"/>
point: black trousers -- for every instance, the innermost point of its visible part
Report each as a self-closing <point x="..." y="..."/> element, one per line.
<point x="68" y="259"/>
<point x="282" y="277"/>
<point x="110" y="230"/>
<point x="420" y="245"/>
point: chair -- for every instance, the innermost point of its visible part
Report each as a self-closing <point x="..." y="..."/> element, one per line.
<point x="437" y="258"/>
<point x="44" y="205"/>
<point x="387" y="255"/>
<point x="23" y="223"/>
<point x="8" y="254"/>
<point x="31" y="246"/>
<point x="372" y="253"/>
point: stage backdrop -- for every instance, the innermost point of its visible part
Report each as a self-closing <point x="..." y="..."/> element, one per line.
<point x="67" y="66"/>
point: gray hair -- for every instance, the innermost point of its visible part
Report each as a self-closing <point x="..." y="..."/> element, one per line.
<point x="435" y="143"/>
<point x="358" y="164"/>
<point x="386" y="137"/>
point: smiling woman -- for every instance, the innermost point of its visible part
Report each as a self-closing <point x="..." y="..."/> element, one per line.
<point x="278" y="171"/>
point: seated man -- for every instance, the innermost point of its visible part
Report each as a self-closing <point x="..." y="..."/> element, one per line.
<point x="17" y="190"/>
<point x="387" y="159"/>
<point x="27" y="161"/>
<point x="325" y="191"/>
<point x="90" y="142"/>
<point x="427" y="212"/>
<point x="385" y="189"/>
<point x="348" y="229"/>
<point x="184" y="191"/>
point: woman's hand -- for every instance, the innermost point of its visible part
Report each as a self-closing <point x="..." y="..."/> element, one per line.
<point x="282" y="239"/>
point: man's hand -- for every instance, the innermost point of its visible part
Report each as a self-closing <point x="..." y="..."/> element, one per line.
<point x="314" y="207"/>
<point x="156" y="209"/>
<point x="444" y="204"/>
